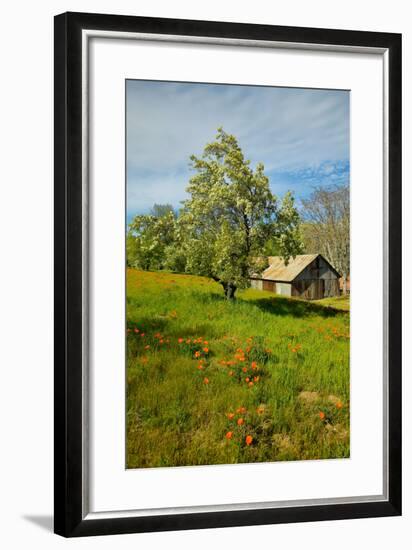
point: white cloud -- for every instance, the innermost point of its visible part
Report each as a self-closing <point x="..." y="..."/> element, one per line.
<point x="287" y="129"/>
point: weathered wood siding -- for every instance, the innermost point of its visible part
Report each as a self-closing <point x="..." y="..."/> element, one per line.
<point x="318" y="269"/>
<point x="270" y="286"/>
<point x="316" y="281"/>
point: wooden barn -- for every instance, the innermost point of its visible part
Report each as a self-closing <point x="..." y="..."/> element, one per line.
<point x="308" y="276"/>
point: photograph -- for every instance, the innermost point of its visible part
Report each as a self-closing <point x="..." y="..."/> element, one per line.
<point x="237" y="274"/>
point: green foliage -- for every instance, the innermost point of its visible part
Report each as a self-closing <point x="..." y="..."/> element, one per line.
<point x="149" y="238"/>
<point x="224" y="228"/>
<point x="231" y="214"/>
<point x="161" y="210"/>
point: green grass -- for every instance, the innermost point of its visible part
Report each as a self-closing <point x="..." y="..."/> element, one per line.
<point x="340" y="302"/>
<point x="295" y="353"/>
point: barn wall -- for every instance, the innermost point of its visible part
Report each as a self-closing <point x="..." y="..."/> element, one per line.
<point x="318" y="269"/>
<point x="270" y="286"/>
<point x="284" y="289"/>
<point x="310" y="289"/>
<point x="315" y="289"/>
<point x="332" y="288"/>
<point x="256" y="283"/>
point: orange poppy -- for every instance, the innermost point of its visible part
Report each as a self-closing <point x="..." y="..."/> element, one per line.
<point x="240" y="421"/>
<point x="180" y="340"/>
<point x="206" y="350"/>
<point x="229" y="435"/>
<point x="244" y="369"/>
<point x="247" y="379"/>
<point x="250" y="384"/>
<point x="230" y="415"/>
<point x="339" y="405"/>
<point x="206" y="381"/>
<point x="322" y="415"/>
<point x="249" y="440"/>
<point x="197" y="354"/>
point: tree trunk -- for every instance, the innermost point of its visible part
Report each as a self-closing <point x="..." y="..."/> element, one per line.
<point x="230" y="290"/>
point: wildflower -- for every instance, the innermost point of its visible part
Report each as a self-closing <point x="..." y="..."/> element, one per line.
<point x="197" y="354"/>
<point x="136" y="330"/>
<point x="206" y="381"/>
<point x="230" y="415"/>
<point x="188" y="341"/>
<point x="147" y="347"/>
<point x="260" y="410"/>
<point x="339" y="405"/>
<point x="256" y="378"/>
<point x="229" y="435"/>
<point x="244" y="369"/>
<point x="240" y="421"/>
<point x="206" y="350"/>
<point x="254" y="365"/>
<point x="161" y="341"/>
<point x="180" y="340"/>
<point x="250" y="384"/>
<point x="241" y="410"/>
<point x="205" y="342"/>
<point x="247" y="379"/>
<point x="200" y="367"/>
<point x="322" y="415"/>
<point x="249" y="440"/>
<point x="142" y="334"/>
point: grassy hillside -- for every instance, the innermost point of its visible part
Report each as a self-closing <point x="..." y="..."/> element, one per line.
<point x="212" y="382"/>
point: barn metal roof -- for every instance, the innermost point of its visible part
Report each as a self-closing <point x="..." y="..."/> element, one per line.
<point x="278" y="271"/>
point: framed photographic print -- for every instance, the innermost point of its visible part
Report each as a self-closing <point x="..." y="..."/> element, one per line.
<point x="227" y="274"/>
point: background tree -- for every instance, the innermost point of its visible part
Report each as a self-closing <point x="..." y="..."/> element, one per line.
<point x="326" y="226"/>
<point x="231" y="214"/>
<point x="161" y="210"/>
<point x="150" y="237"/>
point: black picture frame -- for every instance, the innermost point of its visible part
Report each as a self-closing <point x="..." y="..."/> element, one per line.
<point x="69" y="519"/>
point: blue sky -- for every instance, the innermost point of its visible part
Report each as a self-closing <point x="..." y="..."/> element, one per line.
<point x="300" y="135"/>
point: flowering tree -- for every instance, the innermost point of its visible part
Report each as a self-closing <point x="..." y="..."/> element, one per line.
<point x="230" y="215"/>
